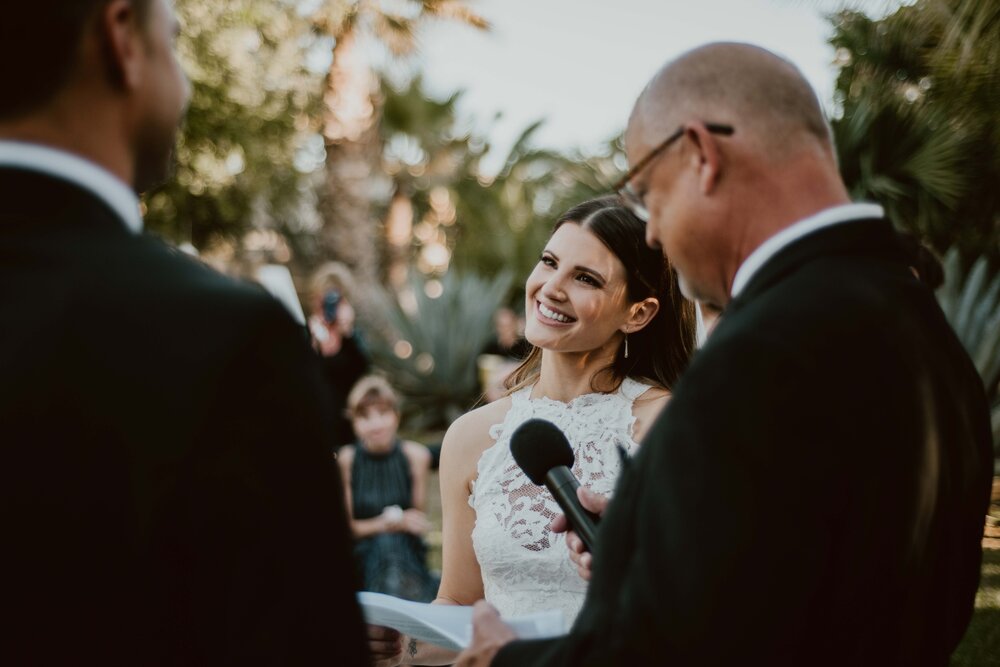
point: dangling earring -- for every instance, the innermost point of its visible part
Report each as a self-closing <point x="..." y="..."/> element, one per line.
<point x="626" y="345"/>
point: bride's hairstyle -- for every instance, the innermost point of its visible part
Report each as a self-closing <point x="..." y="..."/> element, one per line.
<point x="660" y="351"/>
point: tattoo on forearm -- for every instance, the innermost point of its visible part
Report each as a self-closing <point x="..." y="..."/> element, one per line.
<point x="412" y="648"/>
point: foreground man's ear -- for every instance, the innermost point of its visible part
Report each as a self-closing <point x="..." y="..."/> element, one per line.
<point x="123" y="42"/>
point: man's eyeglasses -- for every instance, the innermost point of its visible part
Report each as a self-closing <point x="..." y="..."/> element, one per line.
<point x="631" y="199"/>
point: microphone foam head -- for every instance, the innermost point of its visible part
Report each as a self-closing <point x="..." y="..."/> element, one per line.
<point x="538" y="446"/>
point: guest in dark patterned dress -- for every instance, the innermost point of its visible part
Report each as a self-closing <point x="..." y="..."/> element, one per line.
<point x="385" y="480"/>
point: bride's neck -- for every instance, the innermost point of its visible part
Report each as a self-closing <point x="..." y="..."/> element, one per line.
<point x="565" y="376"/>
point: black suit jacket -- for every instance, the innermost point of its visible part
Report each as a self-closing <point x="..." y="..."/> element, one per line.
<point x="814" y="493"/>
<point x="168" y="493"/>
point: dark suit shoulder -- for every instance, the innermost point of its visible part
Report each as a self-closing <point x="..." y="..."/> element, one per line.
<point x="155" y="265"/>
<point x="154" y="285"/>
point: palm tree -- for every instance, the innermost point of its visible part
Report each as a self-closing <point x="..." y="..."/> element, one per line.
<point x="235" y="156"/>
<point x="506" y="219"/>
<point x="918" y="93"/>
<point x="425" y="155"/>
<point x="352" y="110"/>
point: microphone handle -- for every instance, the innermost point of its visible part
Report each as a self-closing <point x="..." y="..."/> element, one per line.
<point x="563" y="485"/>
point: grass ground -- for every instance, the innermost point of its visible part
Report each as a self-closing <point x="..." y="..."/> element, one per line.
<point x="981" y="645"/>
<point x="979" y="648"/>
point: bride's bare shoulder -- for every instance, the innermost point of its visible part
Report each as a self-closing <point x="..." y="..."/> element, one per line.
<point x="471" y="431"/>
<point x="646" y="408"/>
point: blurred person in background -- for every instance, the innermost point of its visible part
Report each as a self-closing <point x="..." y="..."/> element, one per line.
<point x="508" y="340"/>
<point x="343" y="354"/>
<point x="502" y="354"/>
<point x="385" y="481"/>
<point x="611" y="335"/>
<point x="162" y="504"/>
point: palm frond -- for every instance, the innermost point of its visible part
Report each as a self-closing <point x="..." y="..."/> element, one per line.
<point x="396" y="31"/>
<point x="455" y="10"/>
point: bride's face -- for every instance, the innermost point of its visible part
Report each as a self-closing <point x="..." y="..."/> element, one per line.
<point x="576" y="297"/>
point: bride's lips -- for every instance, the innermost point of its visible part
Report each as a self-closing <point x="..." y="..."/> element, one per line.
<point x="548" y="320"/>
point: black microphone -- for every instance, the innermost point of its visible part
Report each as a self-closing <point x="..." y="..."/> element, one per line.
<point x="545" y="456"/>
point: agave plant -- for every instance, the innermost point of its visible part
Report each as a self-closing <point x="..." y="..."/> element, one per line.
<point x="972" y="306"/>
<point x="438" y="331"/>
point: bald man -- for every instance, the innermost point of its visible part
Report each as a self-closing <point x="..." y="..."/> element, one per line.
<point x="814" y="492"/>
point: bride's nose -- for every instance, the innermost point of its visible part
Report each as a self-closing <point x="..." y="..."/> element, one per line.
<point x="554" y="287"/>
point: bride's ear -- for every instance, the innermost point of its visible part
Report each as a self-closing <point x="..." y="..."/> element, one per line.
<point x="641" y="314"/>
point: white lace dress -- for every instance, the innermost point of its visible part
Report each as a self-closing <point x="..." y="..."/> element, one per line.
<point x="525" y="566"/>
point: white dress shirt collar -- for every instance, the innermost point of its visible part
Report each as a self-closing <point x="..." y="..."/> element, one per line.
<point x="76" y="170"/>
<point x="770" y="247"/>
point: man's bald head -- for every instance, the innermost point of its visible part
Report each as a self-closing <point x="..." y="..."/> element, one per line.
<point x="763" y="96"/>
<point x="712" y="197"/>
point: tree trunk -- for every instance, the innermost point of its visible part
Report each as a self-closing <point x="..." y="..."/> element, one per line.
<point x="350" y="129"/>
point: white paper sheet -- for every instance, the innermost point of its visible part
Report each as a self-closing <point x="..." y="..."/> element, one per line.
<point x="449" y="626"/>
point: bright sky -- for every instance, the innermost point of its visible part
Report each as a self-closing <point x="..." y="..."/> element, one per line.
<point x="581" y="63"/>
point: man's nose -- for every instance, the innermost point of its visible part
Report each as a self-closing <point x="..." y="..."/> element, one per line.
<point x="651" y="240"/>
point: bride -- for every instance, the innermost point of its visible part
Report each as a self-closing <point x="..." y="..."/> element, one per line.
<point x="611" y="336"/>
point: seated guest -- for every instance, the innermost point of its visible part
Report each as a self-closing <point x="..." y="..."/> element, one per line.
<point x="385" y="480"/>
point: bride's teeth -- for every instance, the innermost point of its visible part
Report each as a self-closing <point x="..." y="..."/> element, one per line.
<point x="551" y="314"/>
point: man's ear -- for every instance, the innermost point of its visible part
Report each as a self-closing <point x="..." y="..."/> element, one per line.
<point x="641" y="314"/>
<point x="709" y="158"/>
<point x="122" y="39"/>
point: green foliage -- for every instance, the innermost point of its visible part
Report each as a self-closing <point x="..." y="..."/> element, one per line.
<point x="432" y="351"/>
<point x="393" y="23"/>
<point x="499" y="223"/>
<point x="350" y="199"/>
<point x="972" y="306"/>
<point x="918" y="93"/>
<point x="505" y="221"/>
<point x="249" y="115"/>
<point x="426" y="151"/>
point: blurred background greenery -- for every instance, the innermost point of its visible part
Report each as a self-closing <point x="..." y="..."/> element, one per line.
<point x="296" y="151"/>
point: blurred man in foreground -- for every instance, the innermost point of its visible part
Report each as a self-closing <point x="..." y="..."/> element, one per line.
<point x="167" y="496"/>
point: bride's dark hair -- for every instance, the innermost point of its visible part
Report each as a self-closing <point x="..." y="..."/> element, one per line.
<point x="660" y="351"/>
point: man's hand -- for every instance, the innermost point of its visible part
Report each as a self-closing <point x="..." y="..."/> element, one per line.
<point x="578" y="553"/>
<point x="489" y="635"/>
<point x="385" y="645"/>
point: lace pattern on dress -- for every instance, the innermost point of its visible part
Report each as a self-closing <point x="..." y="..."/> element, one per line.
<point x="524" y="565"/>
